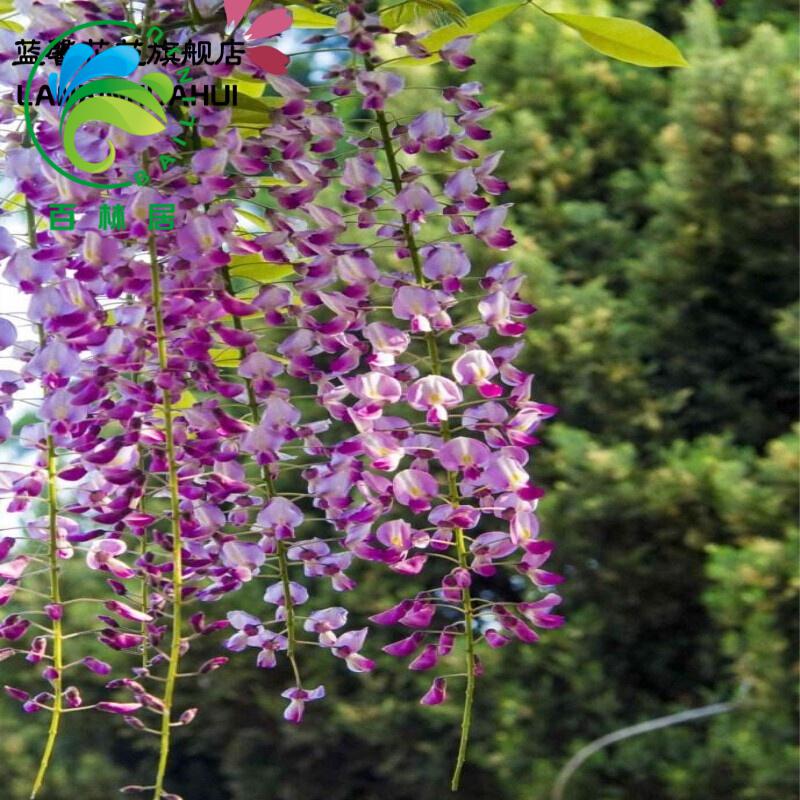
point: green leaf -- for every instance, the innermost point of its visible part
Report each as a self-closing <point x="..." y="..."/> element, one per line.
<point x="475" y="23"/>
<point x="252" y="218"/>
<point x="306" y="18"/>
<point x="11" y="25"/>
<point x="255" y="110"/>
<point x="247" y="85"/>
<point x="14" y="203"/>
<point x="186" y="400"/>
<point x="270" y="181"/>
<point x="229" y="357"/>
<point x="412" y="10"/>
<point x="257" y="269"/>
<point x="624" y="39"/>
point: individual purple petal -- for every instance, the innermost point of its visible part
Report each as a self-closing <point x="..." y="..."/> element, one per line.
<point x="405" y="647"/>
<point x="415" y="202"/>
<point x="72" y="697"/>
<point x="524" y="527"/>
<point x="396" y="534"/>
<point x="241" y="620"/>
<point x="13" y="569"/>
<point x="419" y="615"/>
<point x="495" y="639"/>
<point x="430" y="130"/>
<point x="539" y="614"/>
<point x="96" y="666"/>
<point x="127" y="612"/>
<point x="392" y="615"/>
<point x="280" y="517"/>
<point x="427" y="659"/>
<point x="489" y="228"/>
<point x="213" y="664"/>
<point x="118" y="708"/>
<point x="437" y="694"/>
<point x="445" y="262"/>
<point x="348" y="645"/>
<point x="377" y="87"/>
<point x="245" y="558"/>
<point x="8" y="333"/>
<point x="103" y="555"/>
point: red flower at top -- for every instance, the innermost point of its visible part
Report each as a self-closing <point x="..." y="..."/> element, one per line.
<point x="270" y="23"/>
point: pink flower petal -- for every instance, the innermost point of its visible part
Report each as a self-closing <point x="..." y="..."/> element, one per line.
<point x="270" y="24"/>
<point x="13" y="569"/>
<point x="269" y="59"/>
<point x="235" y="11"/>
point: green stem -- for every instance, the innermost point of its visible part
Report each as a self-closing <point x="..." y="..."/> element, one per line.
<point x="145" y="588"/>
<point x="283" y="561"/>
<point x="461" y="544"/>
<point x="145" y="596"/>
<point x="55" y="598"/>
<point x="469" y="696"/>
<point x="55" y="575"/>
<point x="177" y="555"/>
<point x="195" y="14"/>
<point x="291" y="633"/>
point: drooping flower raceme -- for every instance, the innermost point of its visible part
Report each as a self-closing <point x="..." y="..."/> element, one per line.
<point x="426" y="468"/>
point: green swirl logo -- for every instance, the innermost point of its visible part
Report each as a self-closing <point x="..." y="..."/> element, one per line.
<point x="96" y="87"/>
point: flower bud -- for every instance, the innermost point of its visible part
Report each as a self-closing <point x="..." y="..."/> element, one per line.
<point x="213" y="664"/>
<point x="72" y="697"/>
<point x="187" y="716"/>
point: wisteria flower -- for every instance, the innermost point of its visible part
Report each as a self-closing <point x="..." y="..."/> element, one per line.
<point x="415" y="489"/>
<point x="103" y="554"/>
<point x="324" y="622"/>
<point x="297" y="699"/>
<point x="347" y="647"/>
<point x="455" y="52"/>
<point x="377" y="88"/>
<point x="248" y="630"/>
<point x="434" y="395"/>
<point x="477" y="368"/>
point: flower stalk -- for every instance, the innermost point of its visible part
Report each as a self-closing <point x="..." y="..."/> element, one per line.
<point x="54" y="573"/>
<point x="177" y="555"/>
<point x="460" y="539"/>
<point x="269" y="494"/>
<point x="57" y="628"/>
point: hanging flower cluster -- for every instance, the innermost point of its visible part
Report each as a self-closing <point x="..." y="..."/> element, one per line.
<point x="315" y="364"/>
